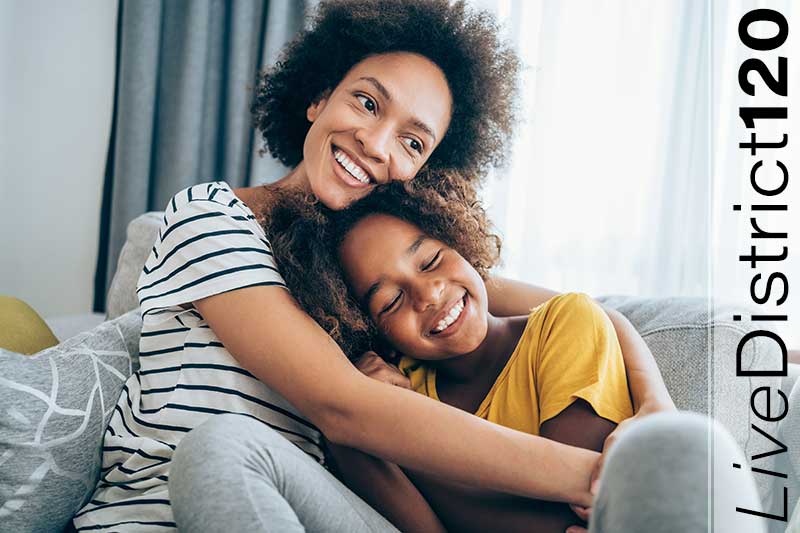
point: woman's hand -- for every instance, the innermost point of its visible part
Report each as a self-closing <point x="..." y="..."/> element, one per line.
<point x="371" y="365"/>
<point x="613" y="437"/>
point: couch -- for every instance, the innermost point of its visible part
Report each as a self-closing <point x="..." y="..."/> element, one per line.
<point x="54" y="405"/>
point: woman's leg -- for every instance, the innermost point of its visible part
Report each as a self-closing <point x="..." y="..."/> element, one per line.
<point x="655" y="479"/>
<point x="233" y="473"/>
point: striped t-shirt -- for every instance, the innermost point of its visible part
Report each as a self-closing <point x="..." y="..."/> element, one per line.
<point x="209" y="243"/>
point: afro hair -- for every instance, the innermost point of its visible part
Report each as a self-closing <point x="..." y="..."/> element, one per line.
<point x="481" y="70"/>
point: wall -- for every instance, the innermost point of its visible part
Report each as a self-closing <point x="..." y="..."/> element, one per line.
<point x="57" y="62"/>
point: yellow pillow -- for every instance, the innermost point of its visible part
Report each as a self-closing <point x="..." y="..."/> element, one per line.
<point x="22" y="330"/>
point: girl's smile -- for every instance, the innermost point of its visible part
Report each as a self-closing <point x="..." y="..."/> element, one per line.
<point x="425" y="298"/>
<point x="449" y="320"/>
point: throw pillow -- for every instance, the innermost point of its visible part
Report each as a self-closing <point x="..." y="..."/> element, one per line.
<point x="54" y="407"/>
<point x="22" y="330"/>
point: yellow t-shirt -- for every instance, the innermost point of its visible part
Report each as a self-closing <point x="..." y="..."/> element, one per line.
<point x="569" y="350"/>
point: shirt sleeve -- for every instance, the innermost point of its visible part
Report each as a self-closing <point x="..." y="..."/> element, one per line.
<point x="578" y="356"/>
<point x="204" y="247"/>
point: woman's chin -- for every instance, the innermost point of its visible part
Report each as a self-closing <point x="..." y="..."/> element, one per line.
<point x="333" y="197"/>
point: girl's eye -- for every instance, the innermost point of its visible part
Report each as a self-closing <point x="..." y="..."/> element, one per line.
<point x="413" y="144"/>
<point x="367" y="102"/>
<point x="430" y="264"/>
<point x="391" y="304"/>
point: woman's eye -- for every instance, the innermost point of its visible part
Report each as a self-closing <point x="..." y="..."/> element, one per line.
<point x="430" y="264"/>
<point x="367" y="102"/>
<point x="391" y="304"/>
<point x="413" y="144"/>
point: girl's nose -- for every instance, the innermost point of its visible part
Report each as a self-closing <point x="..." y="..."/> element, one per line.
<point x="428" y="292"/>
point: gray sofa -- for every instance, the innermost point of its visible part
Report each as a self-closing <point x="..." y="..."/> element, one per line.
<point x="679" y="331"/>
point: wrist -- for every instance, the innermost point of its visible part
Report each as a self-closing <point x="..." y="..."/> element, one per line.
<point x="654" y="405"/>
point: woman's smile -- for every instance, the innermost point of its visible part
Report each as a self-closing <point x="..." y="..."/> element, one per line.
<point x="349" y="169"/>
<point x="381" y="123"/>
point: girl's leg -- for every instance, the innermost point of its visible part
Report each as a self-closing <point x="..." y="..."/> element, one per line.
<point x="233" y="473"/>
<point x="656" y="479"/>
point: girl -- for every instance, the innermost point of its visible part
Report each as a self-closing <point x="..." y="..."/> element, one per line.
<point x="557" y="372"/>
<point x="373" y="92"/>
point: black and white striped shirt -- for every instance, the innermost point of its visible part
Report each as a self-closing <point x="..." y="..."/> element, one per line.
<point x="209" y="243"/>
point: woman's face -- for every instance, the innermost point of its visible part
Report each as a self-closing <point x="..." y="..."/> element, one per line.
<point x="381" y="123"/>
<point x="425" y="298"/>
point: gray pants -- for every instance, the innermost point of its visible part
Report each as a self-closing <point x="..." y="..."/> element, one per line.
<point x="235" y="474"/>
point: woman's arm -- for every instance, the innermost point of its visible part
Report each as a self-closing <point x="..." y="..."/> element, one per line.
<point x="387" y="489"/>
<point x="269" y="334"/>
<point x="381" y="484"/>
<point x="509" y="297"/>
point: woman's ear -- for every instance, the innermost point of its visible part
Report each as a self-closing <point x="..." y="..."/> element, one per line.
<point x="316" y="107"/>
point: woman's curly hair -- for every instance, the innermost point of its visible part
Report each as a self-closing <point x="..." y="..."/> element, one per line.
<point x="480" y="68"/>
<point x="305" y="238"/>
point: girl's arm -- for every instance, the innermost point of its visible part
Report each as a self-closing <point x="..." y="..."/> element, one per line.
<point x="509" y="297"/>
<point x="265" y="329"/>
<point x="387" y="489"/>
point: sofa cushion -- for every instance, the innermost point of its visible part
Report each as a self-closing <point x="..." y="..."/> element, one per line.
<point x="54" y="406"/>
<point x="22" y="330"/>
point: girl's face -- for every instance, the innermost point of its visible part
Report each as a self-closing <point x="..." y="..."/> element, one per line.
<point x="381" y="123"/>
<point x="425" y="298"/>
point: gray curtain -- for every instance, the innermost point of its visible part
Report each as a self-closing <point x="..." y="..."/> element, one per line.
<point x="185" y="72"/>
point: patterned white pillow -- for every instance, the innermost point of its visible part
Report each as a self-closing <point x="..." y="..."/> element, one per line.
<point x="54" y="407"/>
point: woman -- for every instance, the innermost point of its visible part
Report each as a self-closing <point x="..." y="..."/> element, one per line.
<point x="371" y="94"/>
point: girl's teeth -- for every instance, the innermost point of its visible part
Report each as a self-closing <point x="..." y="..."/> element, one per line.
<point x="451" y="317"/>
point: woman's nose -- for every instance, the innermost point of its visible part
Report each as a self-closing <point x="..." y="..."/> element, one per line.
<point x="375" y="142"/>
<point x="428" y="292"/>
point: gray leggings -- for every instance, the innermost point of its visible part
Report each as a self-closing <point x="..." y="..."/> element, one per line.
<point x="235" y="474"/>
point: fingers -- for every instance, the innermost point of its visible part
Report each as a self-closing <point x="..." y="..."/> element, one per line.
<point x="597" y="471"/>
<point x="367" y="361"/>
<point x="371" y="365"/>
<point x="594" y="479"/>
<point x="576" y="529"/>
<point x="582" y="512"/>
<point x="365" y="357"/>
<point x="397" y="379"/>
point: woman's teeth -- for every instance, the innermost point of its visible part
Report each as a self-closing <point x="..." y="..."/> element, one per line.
<point x="451" y="317"/>
<point x="356" y="171"/>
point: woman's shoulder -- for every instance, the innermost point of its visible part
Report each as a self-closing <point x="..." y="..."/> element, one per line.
<point x="211" y="197"/>
<point x="209" y="242"/>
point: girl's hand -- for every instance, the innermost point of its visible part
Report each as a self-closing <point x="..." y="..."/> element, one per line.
<point x="371" y="365"/>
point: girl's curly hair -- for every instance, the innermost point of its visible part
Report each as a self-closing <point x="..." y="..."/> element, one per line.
<point x="306" y="237"/>
<point x="480" y="68"/>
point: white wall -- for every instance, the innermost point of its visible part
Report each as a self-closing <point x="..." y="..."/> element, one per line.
<point x="57" y="62"/>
